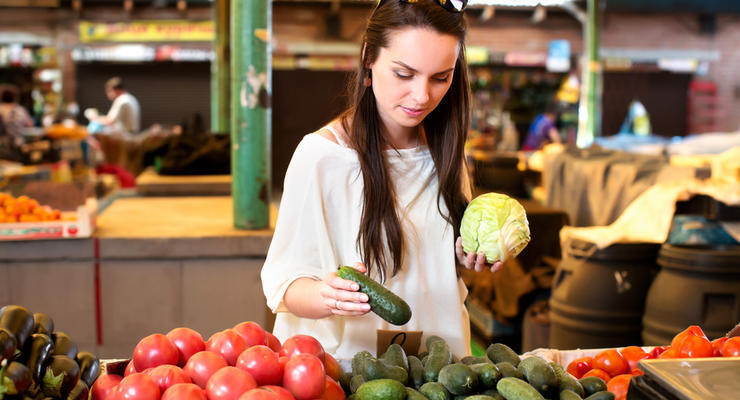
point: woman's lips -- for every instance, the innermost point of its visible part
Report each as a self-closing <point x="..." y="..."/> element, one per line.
<point x="412" y="112"/>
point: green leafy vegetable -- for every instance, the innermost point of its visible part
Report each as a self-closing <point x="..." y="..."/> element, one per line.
<point x="495" y="224"/>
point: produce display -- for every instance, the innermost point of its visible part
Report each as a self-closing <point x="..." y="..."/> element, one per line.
<point x="436" y="375"/>
<point x="38" y="362"/>
<point x="241" y="363"/>
<point x="495" y="224"/>
<point x="618" y="366"/>
<point x="25" y="209"/>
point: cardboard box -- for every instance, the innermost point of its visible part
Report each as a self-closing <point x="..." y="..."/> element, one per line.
<point x="82" y="226"/>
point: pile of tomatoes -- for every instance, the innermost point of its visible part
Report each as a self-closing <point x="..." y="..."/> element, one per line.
<point x="241" y="363"/>
<point x="617" y="366"/>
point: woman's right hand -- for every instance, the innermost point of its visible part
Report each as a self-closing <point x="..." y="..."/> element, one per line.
<point x="342" y="297"/>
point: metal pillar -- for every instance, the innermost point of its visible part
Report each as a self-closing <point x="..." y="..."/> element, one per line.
<point x="589" y="108"/>
<point x="220" y="84"/>
<point x="250" y="112"/>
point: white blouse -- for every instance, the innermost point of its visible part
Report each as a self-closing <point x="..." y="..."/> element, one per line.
<point x="316" y="232"/>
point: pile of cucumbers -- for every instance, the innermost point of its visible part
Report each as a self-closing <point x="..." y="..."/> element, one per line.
<point x="437" y="375"/>
<point x="38" y="363"/>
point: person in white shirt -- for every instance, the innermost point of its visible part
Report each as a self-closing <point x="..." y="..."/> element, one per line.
<point x="125" y="113"/>
<point x="382" y="188"/>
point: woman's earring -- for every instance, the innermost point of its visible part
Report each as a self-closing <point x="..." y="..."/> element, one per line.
<point x="367" y="82"/>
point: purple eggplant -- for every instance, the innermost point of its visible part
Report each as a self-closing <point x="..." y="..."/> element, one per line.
<point x="38" y="349"/>
<point x="42" y="323"/>
<point x="79" y="392"/>
<point x="15" y="378"/>
<point x="63" y="345"/>
<point x="7" y="345"/>
<point x="60" y="376"/>
<point x="89" y="367"/>
<point x="19" y="321"/>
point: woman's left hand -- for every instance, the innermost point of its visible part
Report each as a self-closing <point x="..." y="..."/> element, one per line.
<point x="473" y="261"/>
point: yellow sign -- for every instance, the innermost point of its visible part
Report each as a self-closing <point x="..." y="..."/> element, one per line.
<point x="147" y="31"/>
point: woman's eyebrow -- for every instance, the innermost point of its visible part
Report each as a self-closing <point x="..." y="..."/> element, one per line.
<point x="408" y="67"/>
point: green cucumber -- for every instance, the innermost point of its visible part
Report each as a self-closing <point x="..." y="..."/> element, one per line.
<point x="382" y="389"/>
<point x="488" y="374"/>
<point x="499" y="352"/>
<point x="540" y="375"/>
<point x="493" y="393"/>
<point x="382" y="301"/>
<point x="376" y="369"/>
<point x="592" y="384"/>
<point x="458" y="379"/>
<point x="470" y="360"/>
<point x="435" y="391"/>
<point x="416" y="372"/>
<point x="413" y="394"/>
<point x="480" y="397"/>
<point x="395" y="356"/>
<point x="517" y="389"/>
<point x="358" y="362"/>
<point x="509" y="371"/>
<point x="439" y="356"/>
<point x="355" y="382"/>
<point x="569" y="395"/>
<point x="602" y="395"/>
<point x="567" y="381"/>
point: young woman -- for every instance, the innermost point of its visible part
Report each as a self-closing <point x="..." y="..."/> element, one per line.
<point x="383" y="188"/>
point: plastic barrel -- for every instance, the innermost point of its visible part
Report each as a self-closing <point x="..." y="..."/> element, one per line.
<point x="598" y="296"/>
<point x="696" y="285"/>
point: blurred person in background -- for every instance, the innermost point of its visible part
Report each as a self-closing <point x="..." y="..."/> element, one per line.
<point x="543" y="130"/>
<point x="13" y="117"/>
<point x="124" y="114"/>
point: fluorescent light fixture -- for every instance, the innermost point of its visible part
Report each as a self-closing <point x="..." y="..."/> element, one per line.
<point x="518" y="3"/>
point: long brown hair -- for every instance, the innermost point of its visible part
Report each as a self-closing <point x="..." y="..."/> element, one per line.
<point x="445" y="128"/>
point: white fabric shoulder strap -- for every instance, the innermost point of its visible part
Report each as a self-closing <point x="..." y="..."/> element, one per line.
<point x="336" y="136"/>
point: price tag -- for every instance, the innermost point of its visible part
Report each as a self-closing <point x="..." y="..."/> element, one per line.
<point x="409" y="340"/>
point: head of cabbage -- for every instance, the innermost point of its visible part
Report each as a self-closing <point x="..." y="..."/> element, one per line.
<point x="495" y="224"/>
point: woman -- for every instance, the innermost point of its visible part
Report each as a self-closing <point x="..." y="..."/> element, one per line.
<point x="383" y="186"/>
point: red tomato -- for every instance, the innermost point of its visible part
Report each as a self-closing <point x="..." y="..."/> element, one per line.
<point x="137" y="387"/>
<point x="619" y="386"/>
<point x="227" y="343"/>
<point x="154" y="350"/>
<point x="670" y="353"/>
<point x="599" y="373"/>
<point x="229" y="383"/>
<point x="273" y="342"/>
<point x="168" y="375"/>
<point x="283" y="393"/>
<point x="104" y="385"/>
<point x="252" y="333"/>
<point x="202" y="365"/>
<point x="580" y="366"/>
<point x="184" y="391"/>
<point x="130" y="368"/>
<point x="332" y="367"/>
<point x="611" y="362"/>
<point x="187" y="341"/>
<point x="731" y="348"/>
<point x="692" y="330"/>
<point x="636" y="372"/>
<point x="657" y="350"/>
<point x="693" y="347"/>
<point x="633" y="354"/>
<point x="283" y="360"/>
<point x="333" y="390"/>
<point x="262" y="363"/>
<point x="302" y="344"/>
<point x="304" y="376"/>
<point x="717" y="346"/>
<point x="259" y="394"/>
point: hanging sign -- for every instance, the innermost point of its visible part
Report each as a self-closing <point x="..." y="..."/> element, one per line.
<point x="558" y="56"/>
<point x="147" y="31"/>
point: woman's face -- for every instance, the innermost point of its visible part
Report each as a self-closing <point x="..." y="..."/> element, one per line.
<point x="411" y="76"/>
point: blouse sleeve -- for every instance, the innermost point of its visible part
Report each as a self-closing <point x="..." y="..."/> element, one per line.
<point x="299" y="243"/>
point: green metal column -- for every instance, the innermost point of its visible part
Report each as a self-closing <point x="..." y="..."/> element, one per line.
<point x="251" y="66"/>
<point x="589" y="109"/>
<point x="220" y="84"/>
